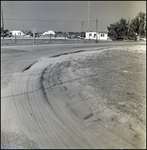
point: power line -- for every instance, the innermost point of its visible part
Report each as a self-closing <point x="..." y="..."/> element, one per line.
<point x="88" y="13"/>
<point x="48" y="20"/>
<point x="31" y="19"/>
<point x="17" y="14"/>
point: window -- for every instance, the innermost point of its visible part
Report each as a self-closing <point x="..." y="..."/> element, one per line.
<point x="94" y="35"/>
<point x="102" y="35"/>
<point x="90" y="34"/>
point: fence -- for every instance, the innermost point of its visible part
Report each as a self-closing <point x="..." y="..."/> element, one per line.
<point x="41" y="40"/>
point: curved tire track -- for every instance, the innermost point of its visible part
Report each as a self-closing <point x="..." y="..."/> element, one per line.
<point x="38" y="119"/>
<point x="51" y="110"/>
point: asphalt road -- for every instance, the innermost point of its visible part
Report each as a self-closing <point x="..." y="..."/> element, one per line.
<point x="17" y="58"/>
<point x="73" y="95"/>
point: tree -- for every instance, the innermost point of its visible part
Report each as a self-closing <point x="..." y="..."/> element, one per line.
<point x="138" y="24"/>
<point x="123" y="28"/>
<point x="118" y="30"/>
<point x="82" y="34"/>
<point x="28" y="32"/>
<point x="6" y="33"/>
<point x="64" y="34"/>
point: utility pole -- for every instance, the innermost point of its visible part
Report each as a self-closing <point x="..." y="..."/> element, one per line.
<point x="96" y="30"/>
<point x="88" y="13"/>
<point x="82" y="26"/>
<point x="15" y="38"/>
<point x="23" y="29"/>
<point x="2" y="23"/>
<point x="88" y="18"/>
<point x="34" y="31"/>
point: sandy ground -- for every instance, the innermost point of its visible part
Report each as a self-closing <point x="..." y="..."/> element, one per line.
<point x="89" y="99"/>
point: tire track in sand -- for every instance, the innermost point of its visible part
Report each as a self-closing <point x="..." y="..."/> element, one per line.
<point x="37" y="118"/>
<point x="43" y="116"/>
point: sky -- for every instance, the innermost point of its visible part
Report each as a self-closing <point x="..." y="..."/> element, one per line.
<point x="67" y="16"/>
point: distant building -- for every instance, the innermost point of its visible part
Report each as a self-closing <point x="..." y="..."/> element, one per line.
<point x="95" y="35"/>
<point x="17" y="33"/>
<point x="50" y="32"/>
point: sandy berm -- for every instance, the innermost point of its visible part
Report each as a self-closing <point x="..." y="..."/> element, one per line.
<point x="91" y="99"/>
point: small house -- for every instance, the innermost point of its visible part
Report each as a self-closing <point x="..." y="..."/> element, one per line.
<point x="17" y="33"/>
<point x="96" y="35"/>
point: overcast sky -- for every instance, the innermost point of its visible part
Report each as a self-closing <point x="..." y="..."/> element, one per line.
<point x="67" y="15"/>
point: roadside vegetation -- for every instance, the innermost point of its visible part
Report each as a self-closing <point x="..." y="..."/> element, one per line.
<point x="128" y="30"/>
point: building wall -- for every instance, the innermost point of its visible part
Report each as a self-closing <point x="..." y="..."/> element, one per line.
<point x="18" y="33"/>
<point x="49" y="32"/>
<point x="94" y="35"/>
<point x="103" y="36"/>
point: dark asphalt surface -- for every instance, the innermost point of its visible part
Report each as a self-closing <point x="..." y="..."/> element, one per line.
<point x="17" y="58"/>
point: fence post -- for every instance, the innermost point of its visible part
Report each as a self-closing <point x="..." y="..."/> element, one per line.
<point x="33" y="37"/>
<point x="15" y="38"/>
<point x="50" y="38"/>
<point x="34" y="31"/>
<point x="65" y="38"/>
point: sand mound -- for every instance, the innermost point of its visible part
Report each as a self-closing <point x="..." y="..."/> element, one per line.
<point x="70" y="102"/>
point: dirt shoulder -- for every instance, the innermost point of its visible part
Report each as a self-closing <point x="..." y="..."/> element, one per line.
<point x="92" y="99"/>
<point x="107" y="94"/>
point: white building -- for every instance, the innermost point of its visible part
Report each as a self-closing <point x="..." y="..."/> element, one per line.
<point x="50" y="32"/>
<point x="17" y="33"/>
<point x="95" y="35"/>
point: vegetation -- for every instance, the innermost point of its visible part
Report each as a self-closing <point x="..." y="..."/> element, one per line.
<point x="6" y="33"/>
<point x="118" y="30"/>
<point x="138" y="25"/>
<point x="124" y="29"/>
